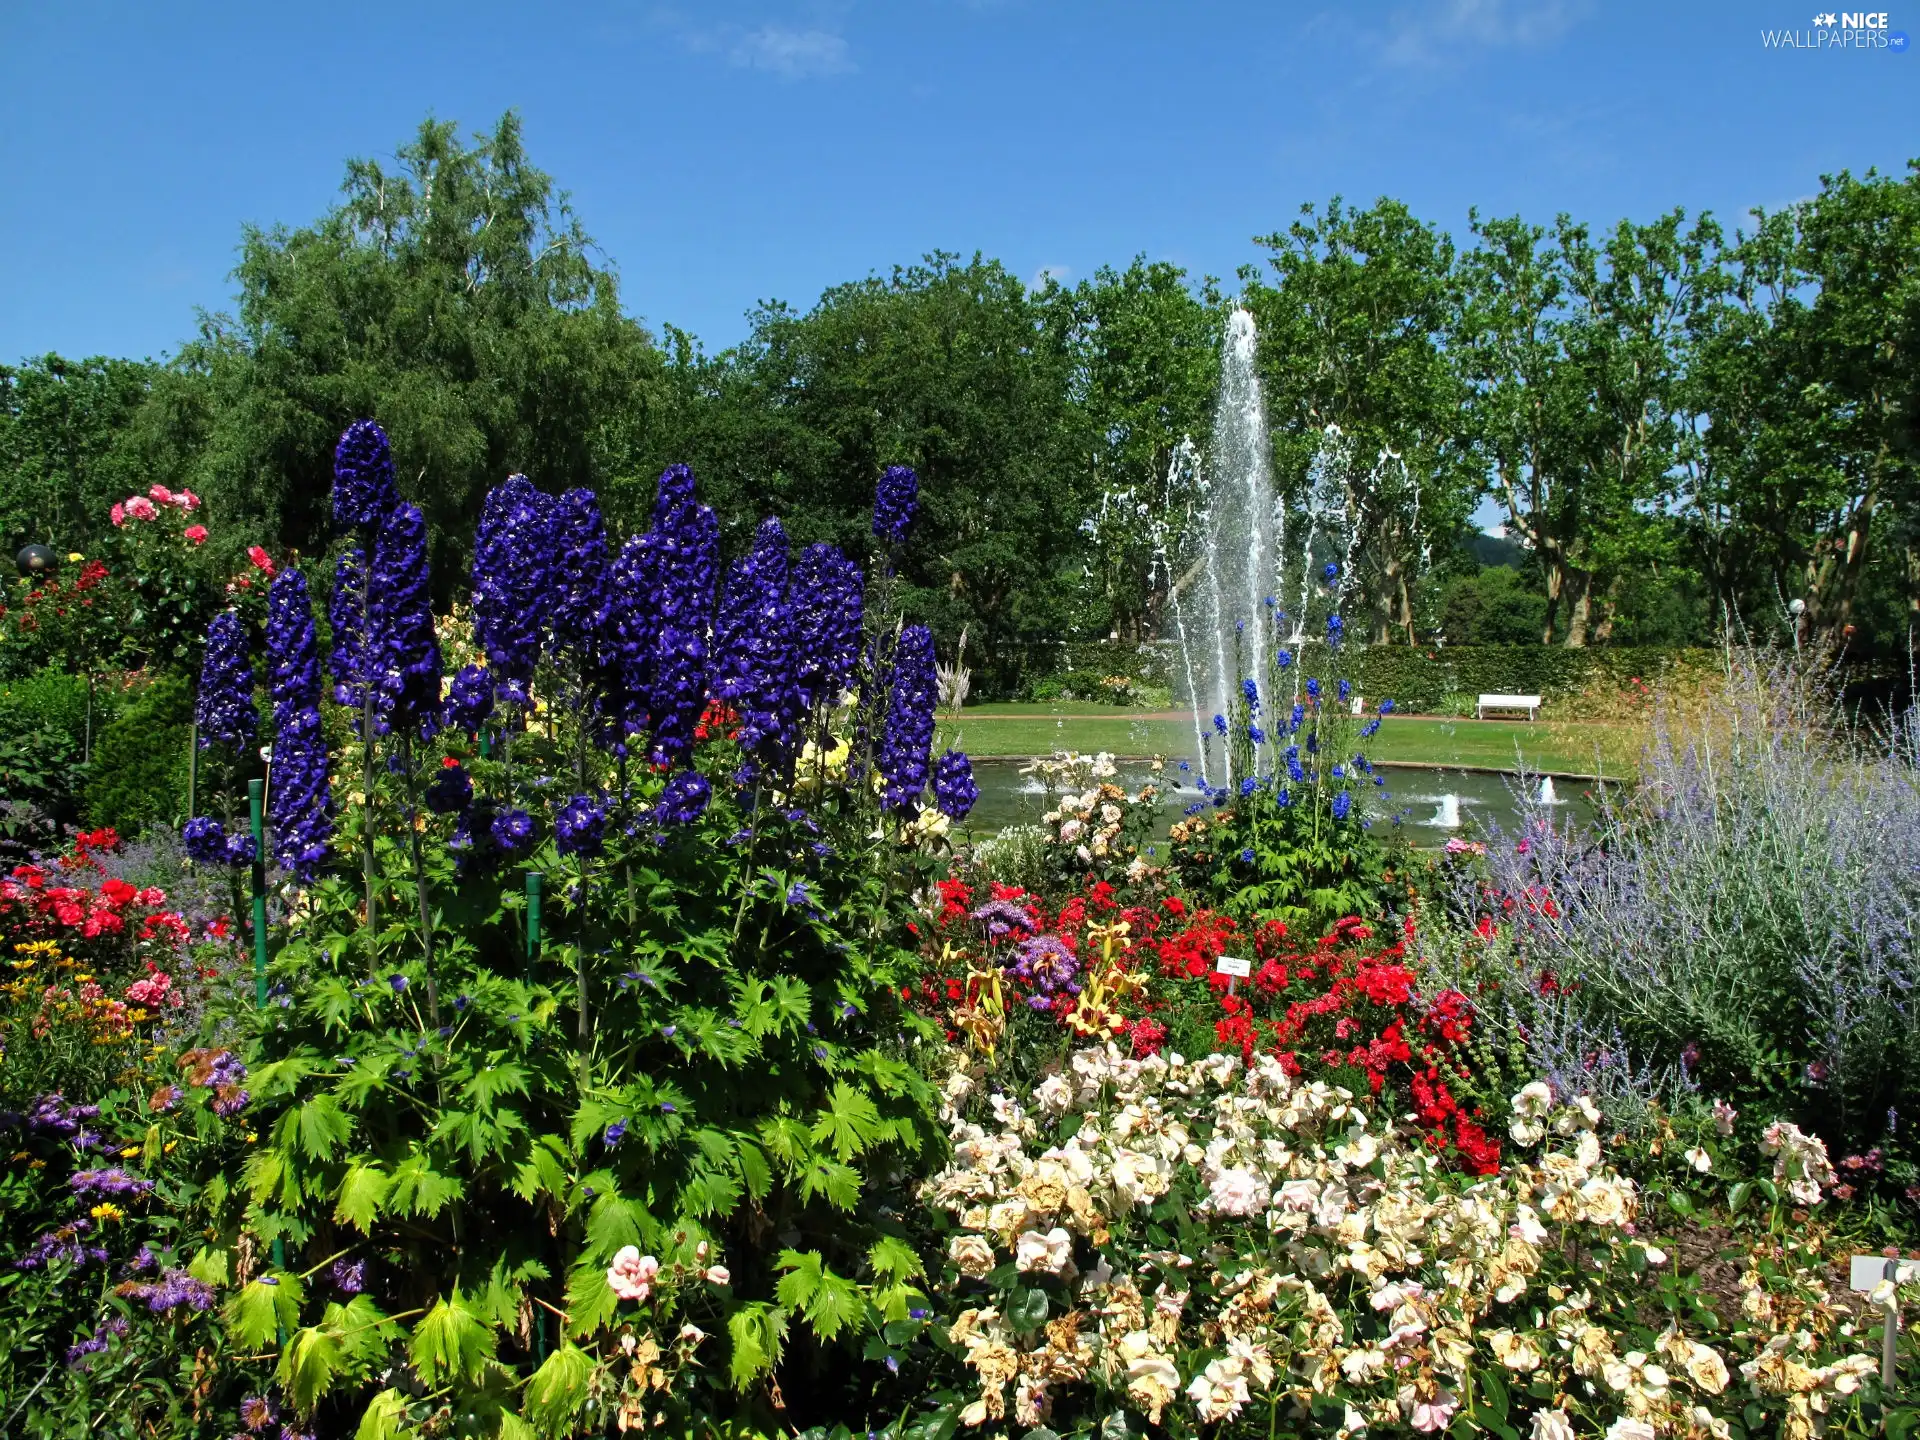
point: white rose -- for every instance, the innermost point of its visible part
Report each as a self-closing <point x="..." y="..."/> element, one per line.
<point x="1051" y="1253"/>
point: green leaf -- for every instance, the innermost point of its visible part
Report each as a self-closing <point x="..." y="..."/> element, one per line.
<point x="503" y="1077"/>
<point x="385" y="1418"/>
<point x="419" y="1189"/>
<point x="839" y="1183"/>
<point x="590" y="1300"/>
<point x="361" y="1193"/>
<point x="324" y="1127"/>
<point x="451" y="1341"/>
<point x="308" y="1366"/>
<point x="1738" y="1195"/>
<point x="1679" y="1202"/>
<point x="613" y="1222"/>
<point x="1028" y="1311"/>
<point x="558" y="1388"/>
<point x="365" y="1331"/>
<point x="849" y="1124"/>
<point x="263" y="1308"/>
<point x="894" y="1258"/>
<point x="758" y="1332"/>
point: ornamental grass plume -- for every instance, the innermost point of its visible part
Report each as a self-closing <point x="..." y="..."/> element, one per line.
<point x="401" y="642"/>
<point x="224" y="707"/>
<point x="299" y="803"/>
<point x="513" y="564"/>
<point x="347" y="620"/>
<point x="907" y="741"/>
<point x="895" y="500"/>
<point x="753" y="649"/>
<point x="363" y="490"/>
<point x="827" y="617"/>
<point x="684" y="560"/>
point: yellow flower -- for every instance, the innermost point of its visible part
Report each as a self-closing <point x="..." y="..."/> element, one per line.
<point x="74" y="557"/>
<point x="106" y="1211"/>
<point x="129" y="1152"/>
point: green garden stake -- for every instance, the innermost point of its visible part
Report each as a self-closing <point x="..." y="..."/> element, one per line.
<point x="256" y="792"/>
<point x="256" y="797"/>
<point x="533" y="919"/>
<point x="486" y="744"/>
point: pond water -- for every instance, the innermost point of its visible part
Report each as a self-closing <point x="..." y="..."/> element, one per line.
<point x="1434" y="804"/>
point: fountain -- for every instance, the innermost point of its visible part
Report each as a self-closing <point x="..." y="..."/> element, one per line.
<point x="1447" y="817"/>
<point x="1236" y="569"/>
<point x="1545" y="795"/>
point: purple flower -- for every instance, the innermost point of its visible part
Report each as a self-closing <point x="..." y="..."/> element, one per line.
<point x="682" y="564"/>
<point x="954" y="788"/>
<point x="205" y="840"/>
<point x="753" y="649"/>
<point x="513" y="560"/>
<point x="450" y="791"/>
<point x="470" y="699"/>
<point x="827" y="619"/>
<point x="1047" y="967"/>
<point x="68" y="1242"/>
<point x="398" y="982"/>
<point x="347" y="624"/>
<point x="172" y="1290"/>
<point x="224" y="706"/>
<point x="581" y="826"/>
<point x="583" y="598"/>
<point x="1003" y="918"/>
<point x="512" y="830"/>
<point x="257" y="1412"/>
<point x="907" y="739"/>
<point x="401" y="643"/>
<point x="895" y="499"/>
<point x="113" y="1181"/>
<point x="363" y="490"/>
<point x="683" y="799"/>
<point x="299" y="801"/>
<point x="611" y="1136"/>
<point x="349" y="1276"/>
<point x="1342" y="804"/>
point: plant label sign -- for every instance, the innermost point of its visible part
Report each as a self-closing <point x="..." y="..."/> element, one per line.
<point x="1234" y="967"/>
<point x="1867" y="1271"/>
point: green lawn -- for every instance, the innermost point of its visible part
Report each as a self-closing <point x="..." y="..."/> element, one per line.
<point x="1564" y="747"/>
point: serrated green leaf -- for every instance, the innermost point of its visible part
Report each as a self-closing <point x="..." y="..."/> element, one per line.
<point x="365" y="1331"/>
<point x="362" y="1190"/>
<point x="451" y="1341"/>
<point x="590" y="1300"/>
<point x="558" y="1388"/>
<point x="758" y="1332"/>
<point x="385" y="1418"/>
<point x="324" y="1127"/>
<point x="894" y="1258"/>
<point x="308" y="1366"/>
<point x="849" y="1124"/>
<point x="263" y="1308"/>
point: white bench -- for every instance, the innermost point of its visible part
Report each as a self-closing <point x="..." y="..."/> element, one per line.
<point x="1528" y="703"/>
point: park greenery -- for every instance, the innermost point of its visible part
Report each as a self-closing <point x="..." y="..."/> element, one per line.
<point x="493" y="944"/>
<point x="1687" y="422"/>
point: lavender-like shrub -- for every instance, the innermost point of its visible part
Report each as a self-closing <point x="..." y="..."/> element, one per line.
<point x="1748" y="918"/>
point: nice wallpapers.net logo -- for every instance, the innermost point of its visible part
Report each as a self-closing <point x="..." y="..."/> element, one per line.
<point x="1840" y="30"/>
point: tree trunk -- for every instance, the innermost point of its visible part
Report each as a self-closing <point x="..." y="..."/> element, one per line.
<point x="1609" y="606"/>
<point x="1833" y="575"/>
<point x="1581" y="609"/>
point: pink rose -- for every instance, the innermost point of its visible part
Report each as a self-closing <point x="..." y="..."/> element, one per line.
<point x="141" y="508"/>
<point x="632" y="1274"/>
<point x="197" y="534"/>
<point x="160" y="495"/>
<point x="118" y="514"/>
<point x="719" y="1275"/>
<point x="187" y="500"/>
<point x="261" y="560"/>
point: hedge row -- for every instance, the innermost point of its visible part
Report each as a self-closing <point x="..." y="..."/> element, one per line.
<point x="1418" y="678"/>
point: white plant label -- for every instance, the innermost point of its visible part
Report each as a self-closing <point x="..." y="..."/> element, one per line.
<point x="1233" y="965"/>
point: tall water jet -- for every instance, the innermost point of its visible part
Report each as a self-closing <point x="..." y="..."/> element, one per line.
<point x="1447" y="817"/>
<point x="1224" y="628"/>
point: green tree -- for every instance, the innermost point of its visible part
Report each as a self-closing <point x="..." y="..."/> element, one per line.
<point x="61" y="424"/>
<point x="1573" y="352"/>
<point x="456" y="301"/>
<point x="1352" y="335"/>
<point x="1145" y="354"/>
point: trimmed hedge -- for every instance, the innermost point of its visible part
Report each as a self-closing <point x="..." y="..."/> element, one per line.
<point x="1421" y="678"/>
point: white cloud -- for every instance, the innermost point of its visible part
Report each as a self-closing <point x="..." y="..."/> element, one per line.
<point x="1049" y="272"/>
<point x="1438" y="30"/>
<point x="790" y="53"/>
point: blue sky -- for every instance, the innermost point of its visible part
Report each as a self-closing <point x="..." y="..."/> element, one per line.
<point x="725" y="153"/>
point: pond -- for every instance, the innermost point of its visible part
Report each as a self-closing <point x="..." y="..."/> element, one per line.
<point x="1435" y="804"/>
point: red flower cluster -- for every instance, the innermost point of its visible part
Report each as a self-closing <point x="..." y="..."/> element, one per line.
<point x="38" y="902"/>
